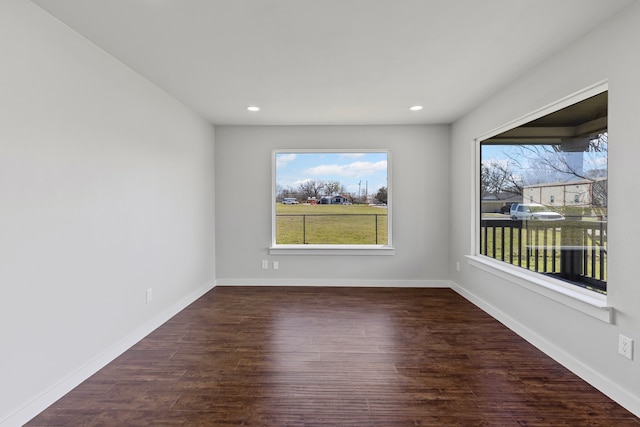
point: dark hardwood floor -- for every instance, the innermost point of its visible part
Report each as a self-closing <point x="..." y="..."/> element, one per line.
<point x="334" y="357"/>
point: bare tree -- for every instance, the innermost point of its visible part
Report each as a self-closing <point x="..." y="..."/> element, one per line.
<point x="578" y="159"/>
<point x="497" y="178"/>
<point x="332" y="187"/>
<point x="311" y="188"/>
<point x="282" y="192"/>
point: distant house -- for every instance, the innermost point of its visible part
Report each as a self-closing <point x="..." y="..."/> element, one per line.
<point x="333" y="200"/>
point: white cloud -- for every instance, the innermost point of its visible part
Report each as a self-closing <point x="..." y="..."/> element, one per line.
<point x="292" y="183"/>
<point x="355" y="169"/>
<point x="283" y="159"/>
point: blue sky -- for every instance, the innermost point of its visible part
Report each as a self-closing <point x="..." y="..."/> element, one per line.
<point x="349" y="169"/>
<point x="531" y="168"/>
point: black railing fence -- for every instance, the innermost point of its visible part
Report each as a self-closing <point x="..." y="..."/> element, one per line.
<point x="357" y="229"/>
<point x="574" y="249"/>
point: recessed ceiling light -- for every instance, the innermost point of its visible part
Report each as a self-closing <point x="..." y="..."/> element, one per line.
<point x="416" y="108"/>
<point x="253" y="108"/>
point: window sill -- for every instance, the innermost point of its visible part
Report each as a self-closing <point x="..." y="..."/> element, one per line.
<point x="374" y="250"/>
<point x="585" y="301"/>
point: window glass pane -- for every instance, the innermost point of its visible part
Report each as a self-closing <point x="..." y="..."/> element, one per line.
<point x="331" y="198"/>
<point x="543" y="192"/>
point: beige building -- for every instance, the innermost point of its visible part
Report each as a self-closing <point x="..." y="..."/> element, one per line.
<point x="574" y="193"/>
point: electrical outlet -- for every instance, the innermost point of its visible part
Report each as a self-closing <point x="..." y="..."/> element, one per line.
<point x="457" y="265"/>
<point x="276" y="265"/>
<point x="265" y="264"/>
<point x="625" y="347"/>
<point x="149" y="295"/>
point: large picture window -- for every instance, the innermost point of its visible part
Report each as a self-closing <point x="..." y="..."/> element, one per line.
<point x="543" y="195"/>
<point x="331" y="198"/>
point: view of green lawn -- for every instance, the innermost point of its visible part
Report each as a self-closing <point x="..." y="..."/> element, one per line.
<point x="331" y="224"/>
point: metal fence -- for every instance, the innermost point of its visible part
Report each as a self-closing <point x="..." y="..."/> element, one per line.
<point x="357" y="229"/>
<point x="574" y="250"/>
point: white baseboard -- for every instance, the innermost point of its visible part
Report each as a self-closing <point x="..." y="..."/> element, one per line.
<point x="52" y="394"/>
<point x="597" y="380"/>
<point x="336" y="283"/>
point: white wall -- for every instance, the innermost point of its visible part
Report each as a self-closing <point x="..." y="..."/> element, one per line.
<point x="106" y="189"/>
<point x="586" y="345"/>
<point x="419" y="156"/>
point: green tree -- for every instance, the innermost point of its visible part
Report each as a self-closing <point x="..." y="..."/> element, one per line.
<point x="381" y="195"/>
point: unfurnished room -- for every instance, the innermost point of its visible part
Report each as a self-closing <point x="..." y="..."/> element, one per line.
<point x="319" y="213"/>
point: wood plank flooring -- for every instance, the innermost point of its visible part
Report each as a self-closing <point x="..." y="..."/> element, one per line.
<point x="270" y="356"/>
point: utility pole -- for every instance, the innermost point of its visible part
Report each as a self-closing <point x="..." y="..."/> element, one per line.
<point x="366" y="190"/>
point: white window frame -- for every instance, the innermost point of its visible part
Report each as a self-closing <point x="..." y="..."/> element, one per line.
<point x="329" y="249"/>
<point x="591" y="303"/>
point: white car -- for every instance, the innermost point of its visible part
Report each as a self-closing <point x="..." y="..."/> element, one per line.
<point x="290" y="201"/>
<point x="534" y="211"/>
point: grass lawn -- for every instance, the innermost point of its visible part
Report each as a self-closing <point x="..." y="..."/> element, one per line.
<point x="511" y="246"/>
<point x="331" y="224"/>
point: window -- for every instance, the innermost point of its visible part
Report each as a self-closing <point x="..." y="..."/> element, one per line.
<point x="331" y="199"/>
<point x="560" y="158"/>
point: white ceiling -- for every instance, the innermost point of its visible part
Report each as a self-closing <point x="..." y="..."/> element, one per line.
<point x="332" y="61"/>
